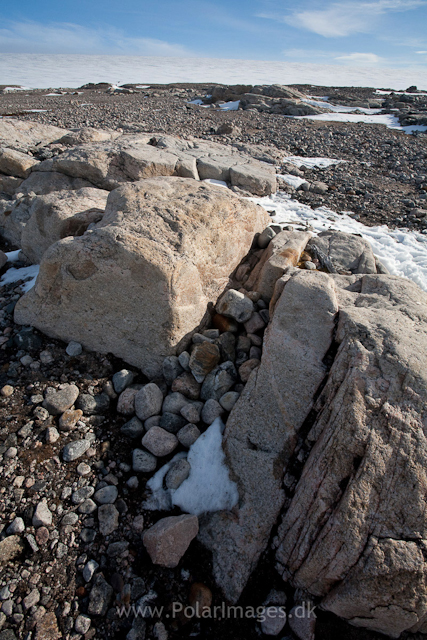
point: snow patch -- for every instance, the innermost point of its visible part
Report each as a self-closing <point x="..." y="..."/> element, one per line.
<point x="340" y="108"/>
<point x="29" y="274"/>
<point x="13" y="256"/>
<point x="219" y="183"/>
<point x="293" y="181"/>
<point x="311" y="163"/>
<point x="389" y="120"/>
<point x="230" y="106"/>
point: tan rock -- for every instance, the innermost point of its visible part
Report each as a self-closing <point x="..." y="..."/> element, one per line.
<point x="43" y="182"/>
<point x="349" y="253"/>
<point x="255" y="178"/>
<point x="20" y="134"/>
<point x="47" y="627"/>
<point x="10" y="548"/>
<point x="69" y="419"/>
<point x="9" y="184"/>
<point x="168" y="243"/>
<point x="168" y="540"/>
<point x="204" y="358"/>
<point x="59" y="215"/>
<point x="15" y="163"/>
<point x="283" y="251"/>
<point x="88" y="134"/>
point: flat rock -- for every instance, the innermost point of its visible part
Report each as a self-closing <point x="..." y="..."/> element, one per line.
<point x="59" y="400"/>
<point x="74" y="450"/>
<point x="15" y="163"/>
<point x="108" y="519"/>
<point x="148" y="401"/>
<point x="159" y="441"/>
<point x="10" y="548"/>
<point x="349" y="253"/>
<point x="168" y="540"/>
<point x="22" y="135"/>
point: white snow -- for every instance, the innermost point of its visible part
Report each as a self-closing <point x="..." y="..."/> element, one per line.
<point x="385" y="118"/>
<point x="197" y="101"/>
<point x="403" y="252"/>
<point x="339" y="108"/>
<point x="230" y="106"/>
<point x="293" y="181"/>
<point x="207" y="488"/>
<point x="142" y="86"/>
<point x="311" y="163"/>
<point x="25" y="273"/>
<point x="219" y="183"/>
<point x="13" y="256"/>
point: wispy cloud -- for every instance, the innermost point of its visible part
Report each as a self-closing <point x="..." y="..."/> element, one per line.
<point x="64" y="37"/>
<point x="345" y="18"/>
<point x="364" y="59"/>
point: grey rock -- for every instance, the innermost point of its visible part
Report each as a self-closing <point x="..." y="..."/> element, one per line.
<point x="31" y="599"/>
<point x="236" y="305"/>
<point x="226" y="343"/>
<point x="173" y="403"/>
<point x="211" y="411"/>
<point x="191" y="412"/>
<point x="179" y="471"/>
<point x="88" y="506"/>
<point x="219" y="381"/>
<point x="319" y="187"/>
<point x="106" y="495"/>
<point x="143" y="462"/>
<point x="74" y="450"/>
<point x="70" y="519"/>
<point x="92" y="405"/>
<point x="184" y="361"/>
<point x="228" y="400"/>
<point x="122" y="379"/>
<point x="108" y="519"/>
<point x="171" y="369"/>
<point x="159" y="441"/>
<point x="116" y="549"/>
<point x="82" y="624"/>
<point x="154" y="421"/>
<point x="265" y="237"/>
<point x="148" y="401"/>
<point x="82" y="494"/>
<point x="58" y="401"/>
<point x="88" y="535"/>
<point x="42" y="516"/>
<point x="74" y="349"/>
<point x="100" y="597"/>
<point x="348" y="253"/>
<point x="133" y="428"/>
<point x="89" y="570"/>
<point x="188" y="435"/>
<point x="171" y="422"/>
<point x="256" y="323"/>
<point x="16" y="526"/>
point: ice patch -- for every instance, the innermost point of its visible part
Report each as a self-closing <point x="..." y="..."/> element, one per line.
<point x="207" y="488"/>
<point x="340" y="108"/>
<point x="142" y="86"/>
<point x="403" y="252"/>
<point x="25" y="273"/>
<point x="293" y="181"/>
<point x="219" y="183"/>
<point x="385" y="118"/>
<point x="230" y="106"/>
<point x="198" y="101"/>
<point x="13" y="256"/>
<point x="311" y="163"/>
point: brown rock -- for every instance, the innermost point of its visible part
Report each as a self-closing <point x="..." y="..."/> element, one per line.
<point x="69" y="419"/>
<point x="47" y="627"/>
<point x="10" y="548"/>
<point x="126" y="402"/>
<point x="187" y="385"/>
<point x="168" y="540"/>
<point x="15" y="163"/>
<point x="42" y="535"/>
<point x="200" y="598"/>
<point x="224" y="324"/>
<point x="204" y="358"/>
<point x="247" y="367"/>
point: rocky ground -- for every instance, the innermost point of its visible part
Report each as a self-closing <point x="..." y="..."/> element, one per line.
<point x="384" y="180"/>
<point x="71" y="547"/>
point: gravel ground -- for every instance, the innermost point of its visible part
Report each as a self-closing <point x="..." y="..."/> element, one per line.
<point x="47" y="590"/>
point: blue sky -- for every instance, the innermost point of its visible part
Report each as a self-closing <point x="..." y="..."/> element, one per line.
<point x="388" y="33"/>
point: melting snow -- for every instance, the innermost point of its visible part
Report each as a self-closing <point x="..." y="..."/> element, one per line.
<point x="25" y="273"/>
<point x="219" y="183"/>
<point x="230" y="106"/>
<point x="13" y="256"/>
<point x="385" y="118"/>
<point x="294" y="181"/>
<point x="311" y="163"/>
<point x="340" y="108"/>
<point x="207" y="488"/>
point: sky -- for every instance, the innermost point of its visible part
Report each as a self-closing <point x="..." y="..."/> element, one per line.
<point x="389" y="33"/>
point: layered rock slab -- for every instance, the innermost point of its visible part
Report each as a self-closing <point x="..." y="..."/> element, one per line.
<point x="140" y="282"/>
<point x="262" y="429"/>
<point x="355" y="532"/>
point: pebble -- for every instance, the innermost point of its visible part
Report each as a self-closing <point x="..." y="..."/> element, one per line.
<point x="69" y="419"/>
<point x="255" y="353"/>
<point x="100" y="597"/>
<point x="171" y="369"/>
<point x="160" y="631"/>
<point x="184" y="360"/>
<point x="188" y="435"/>
<point x="89" y="570"/>
<point x="132" y="482"/>
<point x="106" y="495"/>
<point x="265" y="237"/>
<point x="187" y="385"/>
<point x="275" y="620"/>
<point x="36" y="399"/>
<point x="247" y="367"/>
<point x="138" y="524"/>
<point x="82" y="624"/>
<point x="211" y="411"/>
<point x="52" y="435"/>
<point x="74" y="450"/>
<point x="31" y="599"/>
<point x="26" y="360"/>
<point x="133" y="428"/>
<point x="235" y="305"/>
<point x="82" y="494"/>
<point x="159" y="441"/>
<point x="219" y="381"/>
<point x="42" y="535"/>
<point x="88" y="506"/>
<point x="12" y="452"/>
<point x="174" y="402"/>
<point x="178" y="472"/>
<point x="171" y="422"/>
<point x="191" y="412"/>
<point x="7" y="391"/>
<point x="203" y="359"/>
<point x="46" y="357"/>
<point x="168" y="540"/>
<point x="56" y="401"/>
<point x="40" y="413"/>
<point x="126" y="402"/>
<point x="88" y="535"/>
<point x="92" y="405"/>
<point x="228" y="400"/>
<point x="70" y="519"/>
<point x="16" y="526"/>
<point x="108" y="518"/>
<point x="122" y="379"/>
<point x="256" y="323"/>
<point x="143" y="462"/>
<point x="42" y="515"/>
<point x="154" y="421"/>
<point x="148" y="401"/>
<point x="309" y="265"/>
<point x="73" y="349"/>
<point x="83" y="469"/>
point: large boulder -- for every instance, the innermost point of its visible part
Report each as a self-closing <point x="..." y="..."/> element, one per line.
<point x="23" y="135"/>
<point x="349" y="253"/>
<point x="17" y="164"/>
<point x="355" y="532"/>
<point x="164" y="248"/>
<point x="58" y="215"/>
<point x="43" y="182"/>
<point x="262" y="429"/>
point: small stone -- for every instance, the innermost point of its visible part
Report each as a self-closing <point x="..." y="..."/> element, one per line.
<point x="89" y="570"/>
<point x="148" y="401"/>
<point x="116" y="549"/>
<point x="82" y="624"/>
<point x="187" y="385"/>
<point x="255" y="323"/>
<point x="265" y="237"/>
<point x="83" y="469"/>
<point x="59" y="400"/>
<point x="319" y="187"/>
<point x="36" y="398"/>
<point x="100" y="597"/>
<point x="191" y="412"/>
<point x="160" y="631"/>
<point x="74" y="349"/>
<point x="204" y="358"/>
<point x="52" y="435"/>
<point x="122" y="379"/>
<point x="70" y="519"/>
<point x="87" y="506"/>
<point x="106" y="495"/>
<point x="219" y="381"/>
<point x="74" y="450"/>
<point x="309" y="265"/>
<point x="132" y="482"/>
<point x="142" y="461"/>
<point x="168" y="540"/>
<point x="7" y="391"/>
<point x="40" y="413"/>
<point x="243" y="344"/>
<point x="108" y="518"/>
<point x="255" y="353"/>
<point x="275" y="620"/>
<point x="213" y="334"/>
<point x="31" y="599"/>
<point x="11" y="453"/>
<point x="133" y="428"/>
<point x="184" y="360"/>
<point x="227" y="346"/>
<point x="247" y="367"/>
<point x="42" y="515"/>
<point x="26" y="360"/>
<point x="159" y="441"/>
<point x="171" y="422"/>
<point x="82" y="494"/>
<point x="154" y="421"/>
<point x="69" y="419"/>
<point x="126" y="402"/>
<point x="88" y="535"/>
<point x="188" y="435"/>
<point x="171" y="369"/>
<point x="229" y="399"/>
<point x="16" y="526"/>
<point x="198" y="338"/>
<point x="42" y="535"/>
<point x="235" y="305"/>
<point x="46" y="357"/>
<point x="211" y="411"/>
<point x="200" y="599"/>
<point x="178" y="472"/>
<point x="10" y="548"/>
<point x="174" y="402"/>
<point x="93" y="405"/>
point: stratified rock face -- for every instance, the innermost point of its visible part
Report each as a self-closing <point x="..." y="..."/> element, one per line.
<point x="356" y="529"/>
<point x="140" y="282"/>
<point x="58" y="215"/>
<point x="262" y="428"/>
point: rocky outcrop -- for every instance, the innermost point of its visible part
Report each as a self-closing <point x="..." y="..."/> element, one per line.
<point x="59" y="215"/>
<point x="164" y="248"/>
<point x="262" y="428"/>
<point x="24" y="135"/>
<point x="347" y="253"/>
<point x="354" y="533"/>
<point x="17" y="164"/>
